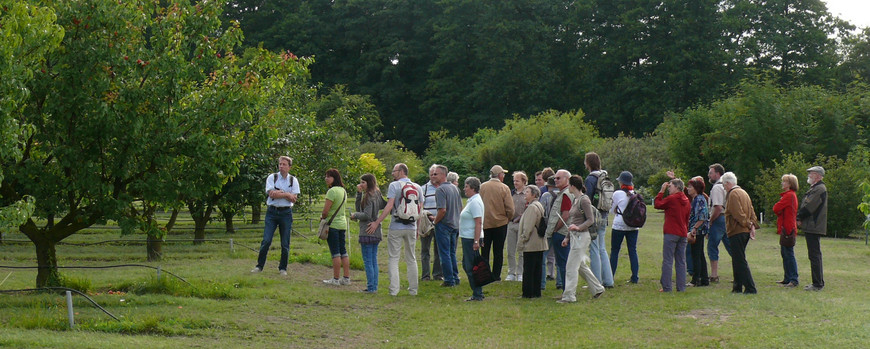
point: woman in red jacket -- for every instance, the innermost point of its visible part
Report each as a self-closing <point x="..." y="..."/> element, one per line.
<point x="676" y="228"/>
<point x="786" y="227"/>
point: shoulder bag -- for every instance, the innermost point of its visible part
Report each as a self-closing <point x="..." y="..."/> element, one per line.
<point x="323" y="229"/>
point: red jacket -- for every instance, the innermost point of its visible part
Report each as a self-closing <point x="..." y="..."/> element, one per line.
<point x="677" y="209"/>
<point x="786" y="212"/>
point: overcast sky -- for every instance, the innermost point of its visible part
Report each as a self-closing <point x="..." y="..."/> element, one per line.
<point x="855" y="11"/>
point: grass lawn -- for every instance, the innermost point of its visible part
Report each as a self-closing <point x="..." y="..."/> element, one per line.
<point x="230" y="307"/>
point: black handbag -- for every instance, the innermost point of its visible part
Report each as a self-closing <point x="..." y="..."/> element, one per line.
<point x="786" y="239"/>
<point x="481" y="272"/>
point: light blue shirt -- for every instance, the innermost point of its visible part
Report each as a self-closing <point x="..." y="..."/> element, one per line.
<point x="283" y="183"/>
<point x="473" y="209"/>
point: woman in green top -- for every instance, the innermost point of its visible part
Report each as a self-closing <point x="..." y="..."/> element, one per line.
<point x="333" y="208"/>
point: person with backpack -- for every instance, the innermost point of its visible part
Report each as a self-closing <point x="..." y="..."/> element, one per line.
<point x="282" y="190"/>
<point x="403" y="201"/>
<point x="581" y="218"/>
<point x="622" y="231"/>
<point x="600" y="191"/>
<point x="532" y="240"/>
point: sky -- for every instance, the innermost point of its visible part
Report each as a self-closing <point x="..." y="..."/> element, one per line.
<point x="856" y="12"/>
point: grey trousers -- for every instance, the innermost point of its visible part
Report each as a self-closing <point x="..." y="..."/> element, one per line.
<point x="673" y="251"/>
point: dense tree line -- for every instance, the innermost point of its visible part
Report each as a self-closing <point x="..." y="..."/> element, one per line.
<point x="459" y="65"/>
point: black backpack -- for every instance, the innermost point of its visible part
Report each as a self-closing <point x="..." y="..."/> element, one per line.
<point x="634" y="214"/>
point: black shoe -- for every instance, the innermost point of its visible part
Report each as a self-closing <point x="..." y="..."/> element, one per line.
<point x="439" y="278"/>
<point x="550" y="278"/>
<point x="474" y="299"/>
<point x="610" y="286"/>
<point x="425" y="278"/>
<point x="812" y="288"/>
<point x="783" y="282"/>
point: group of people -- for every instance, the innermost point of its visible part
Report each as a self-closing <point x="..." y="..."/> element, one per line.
<point x="552" y="230"/>
<point x="728" y="216"/>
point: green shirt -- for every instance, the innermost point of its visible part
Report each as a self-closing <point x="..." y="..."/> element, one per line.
<point x="337" y="194"/>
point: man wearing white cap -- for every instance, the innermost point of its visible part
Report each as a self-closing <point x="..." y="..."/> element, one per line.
<point x="812" y="218"/>
<point x="498" y="211"/>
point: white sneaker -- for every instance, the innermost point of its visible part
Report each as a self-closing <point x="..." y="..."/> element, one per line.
<point x="256" y="270"/>
<point x="520" y="278"/>
<point x="344" y="281"/>
<point x="510" y="277"/>
<point x="333" y="282"/>
<point x="282" y="272"/>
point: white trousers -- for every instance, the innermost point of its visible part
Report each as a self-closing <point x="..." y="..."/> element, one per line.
<point x="515" y="260"/>
<point x="396" y="239"/>
<point x="578" y="263"/>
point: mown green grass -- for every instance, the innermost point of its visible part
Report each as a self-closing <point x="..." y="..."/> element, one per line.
<point x="227" y="306"/>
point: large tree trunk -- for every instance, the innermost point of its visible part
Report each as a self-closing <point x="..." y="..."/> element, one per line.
<point x="255" y="213"/>
<point x="46" y="259"/>
<point x="154" y="246"/>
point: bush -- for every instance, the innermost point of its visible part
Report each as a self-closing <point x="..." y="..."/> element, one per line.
<point x="842" y="179"/>
<point x="552" y="138"/>
<point x="390" y="153"/>
<point x="646" y="158"/>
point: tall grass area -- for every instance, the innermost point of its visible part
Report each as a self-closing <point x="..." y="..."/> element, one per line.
<point x="226" y="306"/>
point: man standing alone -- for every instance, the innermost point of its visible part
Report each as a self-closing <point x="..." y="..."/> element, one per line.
<point x="498" y="211"/>
<point x="282" y="189"/>
<point x="812" y="218"/>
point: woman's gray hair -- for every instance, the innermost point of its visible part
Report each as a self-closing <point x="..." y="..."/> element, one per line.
<point x="729" y="177"/>
<point x="452" y="177"/>
<point x="536" y="192"/>
<point x="678" y="183"/>
<point x="473" y="183"/>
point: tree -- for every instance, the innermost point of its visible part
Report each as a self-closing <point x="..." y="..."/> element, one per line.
<point x="751" y="129"/>
<point x="27" y="34"/>
<point x="141" y="101"/>
<point x="793" y="40"/>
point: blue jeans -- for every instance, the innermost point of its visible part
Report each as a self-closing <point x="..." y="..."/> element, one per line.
<point x="600" y="263"/>
<point x="561" y="257"/>
<point x="280" y="219"/>
<point x="337" y="244"/>
<point x="717" y="234"/>
<point x="468" y="254"/>
<point x="616" y="244"/>
<point x="789" y="264"/>
<point x="370" y="260"/>
<point x="445" y="238"/>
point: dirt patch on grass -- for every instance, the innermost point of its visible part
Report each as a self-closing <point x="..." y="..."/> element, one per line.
<point x="707" y="316"/>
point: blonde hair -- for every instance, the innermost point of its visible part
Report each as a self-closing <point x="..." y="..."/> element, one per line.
<point x="791" y="180"/>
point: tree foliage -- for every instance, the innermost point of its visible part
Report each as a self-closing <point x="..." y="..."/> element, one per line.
<point x="142" y="101"/>
<point x="460" y="65"/>
<point x="27" y="33"/>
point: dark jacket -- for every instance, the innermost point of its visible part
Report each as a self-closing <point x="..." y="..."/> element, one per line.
<point x="813" y="213"/>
